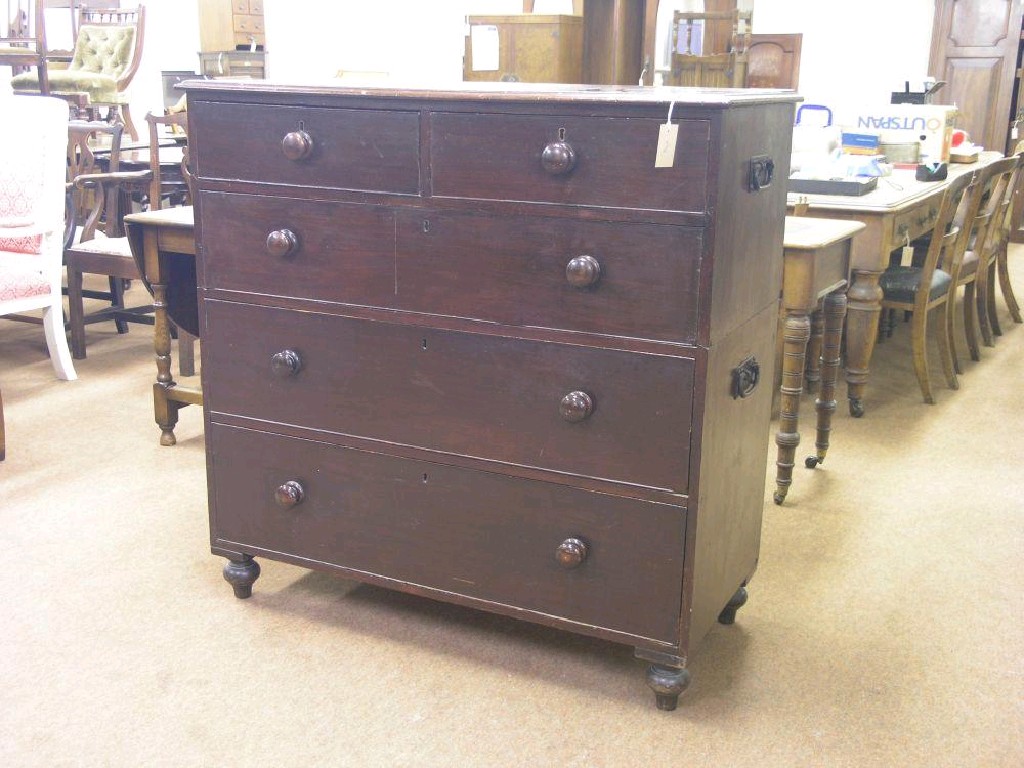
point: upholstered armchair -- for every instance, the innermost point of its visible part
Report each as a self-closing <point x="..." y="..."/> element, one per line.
<point x="33" y="150"/>
<point x="106" y="56"/>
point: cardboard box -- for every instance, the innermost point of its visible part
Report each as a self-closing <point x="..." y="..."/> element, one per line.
<point x="930" y="124"/>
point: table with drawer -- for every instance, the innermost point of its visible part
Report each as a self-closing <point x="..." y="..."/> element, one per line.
<point x="474" y="345"/>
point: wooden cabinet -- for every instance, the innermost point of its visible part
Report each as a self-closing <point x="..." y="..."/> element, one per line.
<point x="232" y="38"/>
<point x="528" y="48"/>
<point x="477" y="347"/>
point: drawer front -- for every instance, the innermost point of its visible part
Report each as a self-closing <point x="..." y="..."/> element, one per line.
<point x="499" y="157"/>
<point x="339" y="148"/>
<point x="470" y="394"/>
<point x="248" y="24"/>
<point x="913" y="223"/>
<point x="302" y="248"/>
<point x="620" y="279"/>
<point x="477" y="534"/>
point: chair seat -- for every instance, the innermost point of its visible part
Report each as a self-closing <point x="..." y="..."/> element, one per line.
<point x="117" y="246"/>
<point x="101" y="89"/>
<point x="900" y="283"/>
<point x="969" y="263"/>
<point x="21" y="283"/>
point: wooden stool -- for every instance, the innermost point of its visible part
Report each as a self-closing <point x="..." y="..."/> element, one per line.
<point x="816" y="267"/>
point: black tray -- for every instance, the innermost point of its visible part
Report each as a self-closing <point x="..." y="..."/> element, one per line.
<point x="857" y="185"/>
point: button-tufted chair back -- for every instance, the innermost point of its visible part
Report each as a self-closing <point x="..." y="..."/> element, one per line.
<point x="108" y="49"/>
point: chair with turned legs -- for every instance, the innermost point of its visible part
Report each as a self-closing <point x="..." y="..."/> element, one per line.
<point x="996" y="250"/>
<point x="993" y="181"/>
<point x="921" y="289"/>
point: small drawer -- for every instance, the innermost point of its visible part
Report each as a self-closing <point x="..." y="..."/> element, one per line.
<point x="300" y="248"/>
<point x="636" y="280"/>
<point x="355" y="149"/>
<point x="610" y="562"/>
<point x="601" y="413"/>
<point x="594" y="161"/>
<point x="248" y="24"/>
<point x="240" y="6"/>
<point x="913" y="223"/>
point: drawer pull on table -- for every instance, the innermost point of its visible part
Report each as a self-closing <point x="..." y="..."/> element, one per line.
<point x="571" y="553"/>
<point x="583" y="271"/>
<point x="282" y="243"/>
<point x="576" y="406"/>
<point x="297" y="145"/>
<point x="289" y="494"/>
<point x="285" y="363"/>
<point x="558" y="158"/>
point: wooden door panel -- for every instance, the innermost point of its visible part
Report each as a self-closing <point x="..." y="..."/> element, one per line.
<point x="980" y="23"/>
<point x="974" y="49"/>
<point x="974" y="80"/>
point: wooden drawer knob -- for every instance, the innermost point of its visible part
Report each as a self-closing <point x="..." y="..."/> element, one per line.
<point x="289" y="494"/>
<point x="571" y="553"/>
<point x="576" y="406"/>
<point x="282" y="243"/>
<point x="286" y="363"/>
<point x="558" y="158"/>
<point x="583" y="271"/>
<point x="297" y="145"/>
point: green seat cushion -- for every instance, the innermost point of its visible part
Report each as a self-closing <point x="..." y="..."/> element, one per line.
<point x="101" y="55"/>
<point x="900" y="283"/>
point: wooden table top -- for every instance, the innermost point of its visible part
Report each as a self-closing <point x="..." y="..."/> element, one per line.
<point x="805" y="233"/>
<point x="900" y="190"/>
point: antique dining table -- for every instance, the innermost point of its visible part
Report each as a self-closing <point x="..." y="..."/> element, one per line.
<point x="899" y="210"/>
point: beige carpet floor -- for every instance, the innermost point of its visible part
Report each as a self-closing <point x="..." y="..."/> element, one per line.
<point x="885" y="625"/>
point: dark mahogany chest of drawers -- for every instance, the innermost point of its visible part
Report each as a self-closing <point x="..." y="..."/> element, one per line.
<point x="475" y="346"/>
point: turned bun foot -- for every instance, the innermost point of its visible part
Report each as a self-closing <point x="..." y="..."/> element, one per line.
<point x="728" y="614"/>
<point x="167" y="436"/>
<point x="241" y="575"/>
<point x="667" y="683"/>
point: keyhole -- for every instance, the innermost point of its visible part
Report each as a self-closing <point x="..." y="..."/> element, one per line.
<point x="424" y="343"/>
<point x="426" y="225"/>
<point x="424" y="477"/>
<point x="561" y="134"/>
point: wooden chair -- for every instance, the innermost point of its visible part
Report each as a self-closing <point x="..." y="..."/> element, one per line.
<point x="164" y="188"/>
<point x="920" y="289"/>
<point x="994" y="180"/>
<point x="33" y="134"/>
<point x="773" y="61"/>
<point x="996" y="249"/>
<point x="694" y="65"/>
<point x="101" y="247"/>
<point x="106" y="56"/>
<point x="23" y="40"/>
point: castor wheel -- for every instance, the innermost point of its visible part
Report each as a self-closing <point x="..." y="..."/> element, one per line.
<point x="811" y="462"/>
<point x="779" y="495"/>
<point x="856" y="408"/>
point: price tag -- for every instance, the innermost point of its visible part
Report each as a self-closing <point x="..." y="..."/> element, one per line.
<point x="666" y="156"/>
<point x="667" y="133"/>
<point x="907" y="255"/>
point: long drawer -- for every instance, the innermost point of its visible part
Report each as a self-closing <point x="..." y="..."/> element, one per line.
<point x="352" y="149"/>
<point x="636" y="280"/>
<point x="524" y="158"/>
<point x="478" y="534"/>
<point x="594" y="412"/>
